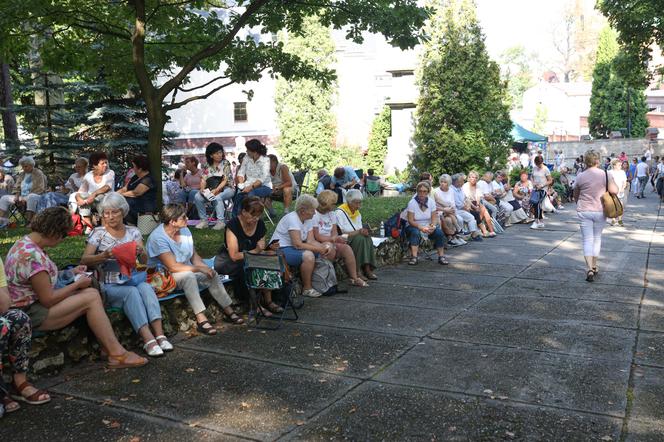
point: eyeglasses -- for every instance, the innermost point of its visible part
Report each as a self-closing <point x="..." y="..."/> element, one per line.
<point x="110" y="213"/>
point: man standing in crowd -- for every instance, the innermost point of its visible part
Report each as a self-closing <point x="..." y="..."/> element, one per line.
<point x="642" y="176"/>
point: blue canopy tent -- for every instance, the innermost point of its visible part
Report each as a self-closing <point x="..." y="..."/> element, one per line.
<point x="522" y="135"/>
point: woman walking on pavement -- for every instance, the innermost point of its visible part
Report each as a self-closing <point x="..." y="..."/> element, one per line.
<point x="589" y="187"/>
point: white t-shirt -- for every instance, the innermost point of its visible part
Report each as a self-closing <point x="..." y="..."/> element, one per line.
<point x="642" y="169"/>
<point x="420" y="216"/>
<point x="286" y="224"/>
<point x="324" y="222"/>
<point x="540" y="174"/>
<point x="620" y="178"/>
<point x="89" y="185"/>
<point x="483" y="187"/>
<point x="444" y="199"/>
<point x="496" y="186"/>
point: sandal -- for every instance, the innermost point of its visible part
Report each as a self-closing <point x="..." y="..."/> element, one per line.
<point x="590" y="276"/>
<point x="37" y="398"/>
<point x="596" y="271"/>
<point x="153" y="349"/>
<point x="265" y="311"/>
<point x="200" y="326"/>
<point x="275" y="308"/>
<point x="412" y="261"/>
<point x="443" y="261"/>
<point x="10" y="405"/>
<point x="164" y="344"/>
<point x="233" y="318"/>
<point x="120" y="361"/>
<point x="358" y="282"/>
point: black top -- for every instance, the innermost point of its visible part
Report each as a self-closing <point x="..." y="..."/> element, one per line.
<point x="327" y="182"/>
<point x="148" y="201"/>
<point x="244" y="241"/>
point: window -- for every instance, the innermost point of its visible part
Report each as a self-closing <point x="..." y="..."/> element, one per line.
<point x="240" y="111"/>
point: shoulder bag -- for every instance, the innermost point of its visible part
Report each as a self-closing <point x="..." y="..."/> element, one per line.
<point x="611" y="204"/>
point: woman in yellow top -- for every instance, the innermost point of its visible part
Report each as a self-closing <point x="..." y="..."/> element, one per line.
<point x="349" y="221"/>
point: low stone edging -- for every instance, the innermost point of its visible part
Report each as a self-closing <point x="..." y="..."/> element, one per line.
<point x="51" y="351"/>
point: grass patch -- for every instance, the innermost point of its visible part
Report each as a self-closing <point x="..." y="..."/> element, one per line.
<point x="208" y="241"/>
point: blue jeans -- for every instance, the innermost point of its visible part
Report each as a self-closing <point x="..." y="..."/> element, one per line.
<point x="414" y="235"/>
<point x="261" y="192"/>
<point x="200" y="201"/>
<point x="139" y="303"/>
<point x="52" y="199"/>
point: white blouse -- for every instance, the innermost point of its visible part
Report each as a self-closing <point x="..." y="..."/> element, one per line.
<point x="258" y="170"/>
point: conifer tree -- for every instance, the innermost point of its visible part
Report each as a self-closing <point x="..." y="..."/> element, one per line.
<point x="304" y="107"/>
<point x="380" y="132"/>
<point x="463" y="120"/>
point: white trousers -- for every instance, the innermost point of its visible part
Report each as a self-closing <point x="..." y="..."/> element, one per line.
<point x="466" y="217"/>
<point x="592" y="224"/>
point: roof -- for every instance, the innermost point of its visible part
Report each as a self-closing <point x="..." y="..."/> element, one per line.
<point x="522" y="135"/>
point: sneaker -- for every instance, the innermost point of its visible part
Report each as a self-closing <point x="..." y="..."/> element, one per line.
<point x="311" y="293"/>
<point x="461" y="241"/>
<point x="508" y="224"/>
<point x="535" y="225"/>
<point x="477" y="238"/>
<point x="202" y="225"/>
<point x="454" y="242"/>
<point x="561" y="207"/>
<point x="219" y="225"/>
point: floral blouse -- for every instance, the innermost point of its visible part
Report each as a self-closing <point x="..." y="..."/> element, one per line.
<point x="224" y="169"/>
<point x="24" y="260"/>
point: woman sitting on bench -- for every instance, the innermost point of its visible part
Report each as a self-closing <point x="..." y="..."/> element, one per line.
<point x="171" y="245"/>
<point x="31" y="279"/>
<point x="138" y="301"/>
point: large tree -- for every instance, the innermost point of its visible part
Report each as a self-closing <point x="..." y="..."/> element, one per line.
<point x="462" y="117"/>
<point x="640" y="27"/>
<point x="614" y="103"/>
<point x="156" y="45"/>
<point x="381" y="129"/>
<point x="304" y="107"/>
<point x="517" y="73"/>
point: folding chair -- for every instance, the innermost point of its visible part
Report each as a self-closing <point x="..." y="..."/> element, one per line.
<point x="266" y="271"/>
<point x="17" y="213"/>
<point x="299" y="181"/>
<point x="372" y="187"/>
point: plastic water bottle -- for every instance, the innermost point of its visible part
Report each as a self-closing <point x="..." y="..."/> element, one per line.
<point x="382" y="229"/>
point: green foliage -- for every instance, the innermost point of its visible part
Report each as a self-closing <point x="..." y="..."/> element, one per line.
<point x="381" y="130"/>
<point x="155" y="45"/>
<point x="614" y="104"/>
<point x="348" y="156"/>
<point x="304" y="108"/>
<point x="639" y="24"/>
<point x="463" y="121"/>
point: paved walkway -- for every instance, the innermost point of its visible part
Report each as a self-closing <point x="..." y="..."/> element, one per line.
<point x="507" y="343"/>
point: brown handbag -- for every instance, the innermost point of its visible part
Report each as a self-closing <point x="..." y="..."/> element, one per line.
<point x="611" y="204"/>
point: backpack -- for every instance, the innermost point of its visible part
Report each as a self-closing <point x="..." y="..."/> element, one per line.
<point x="394" y="225"/>
<point x="324" y="278"/>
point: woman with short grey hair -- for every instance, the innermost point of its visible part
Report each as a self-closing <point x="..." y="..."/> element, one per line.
<point x="295" y="235"/>
<point x="138" y="300"/>
<point x="445" y="206"/>
<point x="357" y="234"/>
<point x="30" y="185"/>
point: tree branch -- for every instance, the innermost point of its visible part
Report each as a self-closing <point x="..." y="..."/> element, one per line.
<point x="171" y="84"/>
<point x="138" y="55"/>
<point x="195" y="98"/>
<point x="221" y="77"/>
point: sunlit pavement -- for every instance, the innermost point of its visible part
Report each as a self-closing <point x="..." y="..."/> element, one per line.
<point x="508" y="342"/>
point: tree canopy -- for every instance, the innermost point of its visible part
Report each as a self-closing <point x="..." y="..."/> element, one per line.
<point x="462" y="117"/>
<point x="156" y="45"/>
<point x="640" y="27"/>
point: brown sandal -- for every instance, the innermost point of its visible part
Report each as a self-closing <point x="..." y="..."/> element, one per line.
<point x="233" y="318"/>
<point x="10" y="404"/>
<point x="120" y="361"/>
<point x="274" y="308"/>
<point x="33" y="399"/>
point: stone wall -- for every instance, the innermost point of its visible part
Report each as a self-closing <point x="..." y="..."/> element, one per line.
<point x="52" y="351"/>
<point x="632" y="147"/>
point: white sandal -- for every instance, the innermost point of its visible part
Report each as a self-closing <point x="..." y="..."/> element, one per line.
<point x="163" y="343"/>
<point x="153" y="349"/>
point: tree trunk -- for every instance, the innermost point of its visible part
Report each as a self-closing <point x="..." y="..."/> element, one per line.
<point x="156" y="123"/>
<point x="9" y="125"/>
